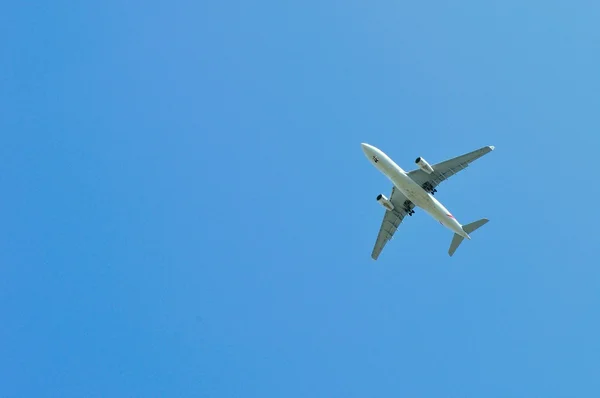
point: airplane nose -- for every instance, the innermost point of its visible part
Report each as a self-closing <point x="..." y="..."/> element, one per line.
<point x="366" y="147"/>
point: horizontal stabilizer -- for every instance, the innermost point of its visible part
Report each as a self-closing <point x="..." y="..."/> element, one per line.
<point x="474" y="225"/>
<point x="457" y="239"/>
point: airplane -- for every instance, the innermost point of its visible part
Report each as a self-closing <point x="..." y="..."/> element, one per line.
<point x="417" y="189"/>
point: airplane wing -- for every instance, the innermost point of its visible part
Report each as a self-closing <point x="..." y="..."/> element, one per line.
<point x="446" y="169"/>
<point x="391" y="220"/>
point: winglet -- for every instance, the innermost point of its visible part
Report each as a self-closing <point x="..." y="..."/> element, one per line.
<point x="492" y="147"/>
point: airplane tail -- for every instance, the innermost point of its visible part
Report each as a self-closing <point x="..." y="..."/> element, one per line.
<point x="457" y="239"/>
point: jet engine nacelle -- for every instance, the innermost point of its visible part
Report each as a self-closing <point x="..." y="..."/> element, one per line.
<point x="423" y="165"/>
<point x="385" y="202"/>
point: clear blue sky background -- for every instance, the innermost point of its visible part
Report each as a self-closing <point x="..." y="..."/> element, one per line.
<point x="186" y="209"/>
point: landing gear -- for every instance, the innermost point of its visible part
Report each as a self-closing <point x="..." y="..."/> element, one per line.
<point x="407" y="209"/>
<point x="429" y="188"/>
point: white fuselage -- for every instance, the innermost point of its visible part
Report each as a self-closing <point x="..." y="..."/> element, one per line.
<point x="413" y="191"/>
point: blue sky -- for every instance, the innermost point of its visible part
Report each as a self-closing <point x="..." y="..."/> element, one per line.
<point x="186" y="209"/>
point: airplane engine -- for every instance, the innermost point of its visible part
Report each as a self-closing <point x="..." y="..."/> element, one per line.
<point x="423" y="165"/>
<point x="385" y="202"/>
